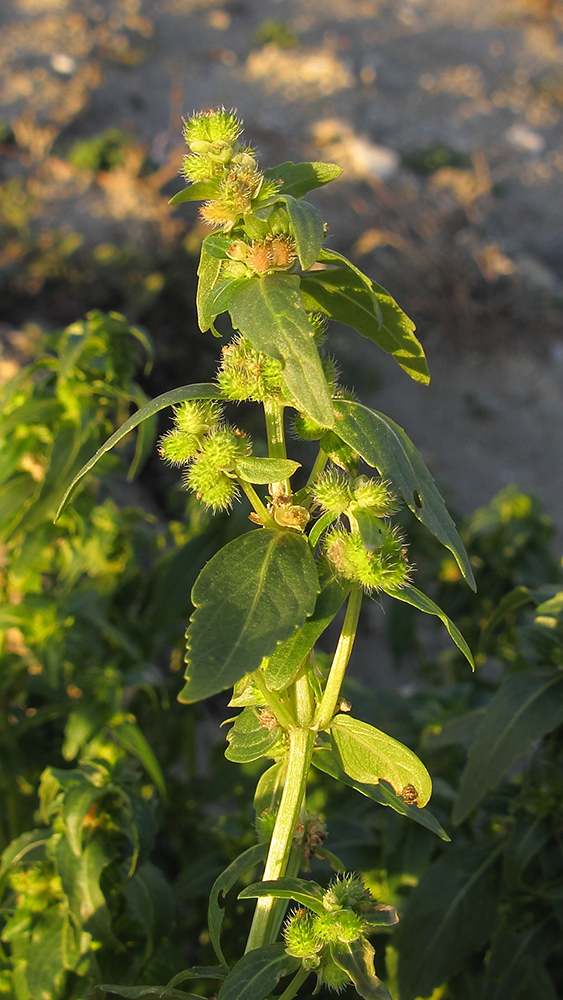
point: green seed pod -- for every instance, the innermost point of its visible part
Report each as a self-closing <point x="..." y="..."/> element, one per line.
<point x="300" y="939"/>
<point x="212" y="487"/>
<point x="265" y="825"/>
<point x="177" y="447"/>
<point x="197" y="416"/>
<point x="346" y="891"/>
<point x="246" y="373"/>
<point x="384" y="568"/>
<point x="211" y="126"/>
<point x="374" y="495"/>
<point x="338" y="926"/>
<point x="332" y="492"/>
<point x="332" y="976"/>
<point x="200" y="168"/>
<point x="307" y="429"/>
<point x="223" y="446"/>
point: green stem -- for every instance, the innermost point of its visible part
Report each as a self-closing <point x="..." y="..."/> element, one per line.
<point x="267" y="519"/>
<point x="297" y="981"/>
<point x="301" y="743"/>
<point x="303" y="496"/>
<point x="303" y="697"/>
<point x="275" y="431"/>
<point x="327" y="707"/>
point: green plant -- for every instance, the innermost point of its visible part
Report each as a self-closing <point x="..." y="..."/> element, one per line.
<point x="263" y="601"/>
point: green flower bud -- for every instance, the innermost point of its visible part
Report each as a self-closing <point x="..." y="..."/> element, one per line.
<point x="201" y="168"/>
<point x="197" y="416"/>
<point x="223" y="446"/>
<point x="384" y="568"/>
<point x="215" y="489"/>
<point x="265" y="825"/>
<point x="211" y="126"/>
<point x="332" y="976"/>
<point x="338" y="926"/>
<point x="306" y="428"/>
<point x="300" y="938"/>
<point x="346" y="891"/>
<point x="374" y="495"/>
<point x="246" y="373"/>
<point x="177" y="447"/>
<point x="332" y="492"/>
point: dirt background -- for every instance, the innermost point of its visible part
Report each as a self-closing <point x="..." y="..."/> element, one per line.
<point x="470" y="243"/>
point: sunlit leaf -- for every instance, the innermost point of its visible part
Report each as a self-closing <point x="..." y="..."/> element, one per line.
<point x="199" y="191"/>
<point x="203" y="390"/>
<point x="357" y="960"/>
<point x="301" y="890"/>
<point x="266" y="470"/>
<point x="369" y="755"/>
<point x="249" y="740"/>
<point x="385" y="446"/>
<point x="251" y="595"/>
<point x="297" y="179"/>
<point x="269" y="311"/>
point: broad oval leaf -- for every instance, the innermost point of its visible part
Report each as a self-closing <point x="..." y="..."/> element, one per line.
<point x="449" y="916"/>
<point x="248" y="740"/>
<point x="286" y="660"/>
<point x="527" y="705"/>
<point x="324" y="759"/>
<point x="342" y="295"/>
<point x="225" y="881"/>
<point x="257" y="973"/>
<point x="266" y="470"/>
<point x="209" y="275"/>
<point x="269" y="311"/>
<point x="251" y="595"/>
<point x="385" y="446"/>
<point x="368" y="755"/>
<point x="202" y="390"/>
<point x="301" y="890"/>
<point x="410" y="595"/>
<point x="297" y="179"/>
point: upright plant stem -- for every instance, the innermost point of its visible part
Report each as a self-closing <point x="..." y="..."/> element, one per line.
<point x="342" y="654"/>
<point x="301" y="742"/>
<point x="275" y="431"/>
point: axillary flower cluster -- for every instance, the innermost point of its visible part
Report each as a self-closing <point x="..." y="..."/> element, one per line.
<point x="322" y="940"/>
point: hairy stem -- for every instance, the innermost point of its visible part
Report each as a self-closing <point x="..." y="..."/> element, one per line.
<point x="342" y="654"/>
<point x="301" y="742"/>
<point x="275" y="431"/>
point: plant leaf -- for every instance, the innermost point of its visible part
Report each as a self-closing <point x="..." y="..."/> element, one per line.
<point x="527" y="705"/>
<point x="80" y="877"/>
<point x="217" y="245"/>
<point x="449" y="916"/>
<point x="507" y="605"/>
<point x="301" y="890"/>
<point x="266" y="470"/>
<point x="368" y="755"/>
<point x="202" y="390"/>
<point x="248" y="740"/>
<point x="410" y="595"/>
<point x="385" y="446"/>
<point x="325" y="760"/>
<point x="226" y="880"/>
<point x="327" y="256"/>
<point x="297" y="179"/>
<point x="287" y="658"/>
<point x="209" y="274"/>
<point x="269" y="311"/>
<point x="45" y="956"/>
<point x="251" y="595"/>
<point x="199" y="191"/>
<point x="257" y="973"/>
<point x="343" y="296"/>
<point x="130" y="737"/>
<point x="217" y="301"/>
<point x="357" y="960"/>
<point x="307" y="228"/>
